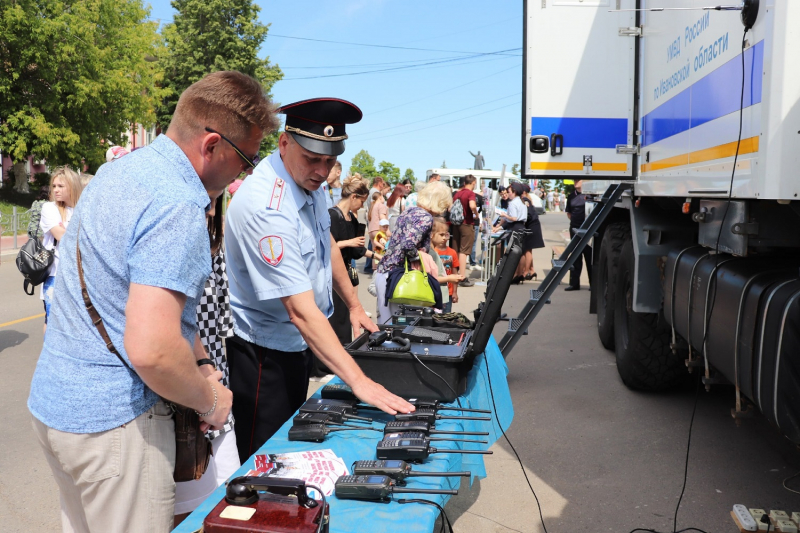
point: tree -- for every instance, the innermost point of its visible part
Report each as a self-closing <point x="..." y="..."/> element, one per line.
<point x="545" y="185"/>
<point x="208" y="36"/>
<point x="73" y="73"/>
<point x="409" y="175"/>
<point x="364" y="164"/>
<point x="515" y="169"/>
<point x="443" y="165"/>
<point x="390" y="172"/>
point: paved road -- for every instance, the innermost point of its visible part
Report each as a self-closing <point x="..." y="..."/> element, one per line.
<point x="600" y="457"/>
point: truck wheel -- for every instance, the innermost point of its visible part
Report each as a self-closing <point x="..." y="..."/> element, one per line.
<point x="644" y="358"/>
<point x="615" y="236"/>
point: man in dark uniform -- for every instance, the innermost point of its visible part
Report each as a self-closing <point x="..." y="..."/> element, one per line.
<point x="576" y="213"/>
<point x="282" y="267"/>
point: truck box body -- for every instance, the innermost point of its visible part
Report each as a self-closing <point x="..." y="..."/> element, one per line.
<point x="680" y="94"/>
<point x="703" y="118"/>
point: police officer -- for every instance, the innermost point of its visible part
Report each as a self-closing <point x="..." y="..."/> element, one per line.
<point x="283" y="265"/>
<point x="576" y="212"/>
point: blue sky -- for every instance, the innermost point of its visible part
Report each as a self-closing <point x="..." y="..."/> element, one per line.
<point x="413" y="117"/>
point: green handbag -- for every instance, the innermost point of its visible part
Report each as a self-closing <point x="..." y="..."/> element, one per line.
<point x="414" y="288"/>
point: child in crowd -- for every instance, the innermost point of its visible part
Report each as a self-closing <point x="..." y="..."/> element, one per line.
<point x="379" y="241"/>
<point x="449" y="261"/>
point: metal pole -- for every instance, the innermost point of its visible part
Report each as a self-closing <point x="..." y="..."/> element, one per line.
<point x="14" y="224"/>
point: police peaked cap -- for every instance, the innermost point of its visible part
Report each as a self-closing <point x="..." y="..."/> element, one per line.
<point x="318" y="124"/>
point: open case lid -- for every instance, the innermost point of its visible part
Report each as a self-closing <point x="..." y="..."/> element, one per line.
<point x="496" y="290"/>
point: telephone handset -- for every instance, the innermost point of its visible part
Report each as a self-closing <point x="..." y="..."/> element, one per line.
<point x="243" y="490"/>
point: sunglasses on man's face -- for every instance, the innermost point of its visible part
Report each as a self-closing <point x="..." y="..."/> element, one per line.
<point x="251" y="162"/>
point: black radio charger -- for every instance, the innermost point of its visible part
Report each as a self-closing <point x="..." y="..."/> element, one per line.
<point x="437" y="406"/>
<point x="397" y="470"/>
<point x="376" y="488"/>
<point x="430" y="416"/>
<point x="421" y="435"/>
<point x="317" y="432"/>
<point x="336" y="413"/>
<point x="414" y="449"/>
<point x="423" y="427"/>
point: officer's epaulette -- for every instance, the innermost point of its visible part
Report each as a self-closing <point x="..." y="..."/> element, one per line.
<point x="276" y="198"/>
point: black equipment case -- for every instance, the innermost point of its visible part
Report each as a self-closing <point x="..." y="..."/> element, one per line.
<point x="753" y="335"/>
<point x="410" y="374"/>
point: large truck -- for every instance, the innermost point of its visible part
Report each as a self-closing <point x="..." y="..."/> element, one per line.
<point x="697" y="109"/>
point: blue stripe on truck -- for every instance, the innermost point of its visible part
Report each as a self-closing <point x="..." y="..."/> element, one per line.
<point x="583" y="132"/>
<point x="714" y="96"/>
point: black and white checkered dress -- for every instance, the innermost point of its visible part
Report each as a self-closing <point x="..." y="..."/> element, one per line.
<point x="215" y="324"/>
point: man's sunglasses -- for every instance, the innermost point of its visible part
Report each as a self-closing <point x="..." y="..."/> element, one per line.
<point x="251" y="162"/>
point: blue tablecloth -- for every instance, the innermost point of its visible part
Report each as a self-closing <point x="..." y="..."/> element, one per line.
<point x="350" y="515"/>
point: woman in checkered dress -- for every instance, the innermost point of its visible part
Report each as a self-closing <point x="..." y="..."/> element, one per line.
<point x="215" y="324"/>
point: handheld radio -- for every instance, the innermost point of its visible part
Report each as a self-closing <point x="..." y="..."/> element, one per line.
<point x="338" y="391"/>
<point x="414" y="449"/>
<point x="437" y="406"/>
<point x="342" y="392"/>
<point x="336" y="413"/>
<point x="349" y="405"/>
<point x="397" y="470"/>
<point x="376" y="488"/>
<point x="423" y="427"/>
<point x="317" y="432"/>
<point x="314" y="418"/>
<point x="421" y="435"/>
<point x="430" y="416"/>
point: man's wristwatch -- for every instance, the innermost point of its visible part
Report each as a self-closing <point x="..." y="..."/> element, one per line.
<point x="201" y="362"/>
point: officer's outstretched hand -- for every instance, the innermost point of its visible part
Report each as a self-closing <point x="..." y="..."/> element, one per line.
<point x="359" y="319"/>
<point x="374" y="394"/>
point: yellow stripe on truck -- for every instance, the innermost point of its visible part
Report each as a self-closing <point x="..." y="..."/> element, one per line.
<point x="747" y="146"/>
<point x="598" y="167"/>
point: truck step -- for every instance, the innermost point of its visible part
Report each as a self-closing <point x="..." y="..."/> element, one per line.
<point x="537" y="295"/>
<point x="514" y="324"/>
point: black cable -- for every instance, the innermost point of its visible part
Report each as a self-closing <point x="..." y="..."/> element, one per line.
<point x="429" y="369"/>
<point x="789" y="479"/>
<point x="428" y="502"/>
<point x="442" y="115"/>
<point x="494" y="408"/>
<point x="369" y="45"/>
<point x="656" y="531"/>
<point x="389" y="69"/>
<point x="688" y="447"/>
<point x="436" y="125"/>
<point x="321" y="518"/>
<point x="482" y="78"/>
<point x="713" y="288"/>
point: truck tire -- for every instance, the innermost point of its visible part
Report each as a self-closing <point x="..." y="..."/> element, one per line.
<point x="615" y="236"/>
<point x="644" y="358"/>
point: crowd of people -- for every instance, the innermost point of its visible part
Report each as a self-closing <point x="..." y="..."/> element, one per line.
<point x="228" y="317"/>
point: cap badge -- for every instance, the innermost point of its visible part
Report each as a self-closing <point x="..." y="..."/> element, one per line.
<point x="328" y="131"/>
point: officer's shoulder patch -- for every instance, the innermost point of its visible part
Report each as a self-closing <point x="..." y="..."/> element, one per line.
<point x="276" y="197"/>
<point x="271" y="248"/>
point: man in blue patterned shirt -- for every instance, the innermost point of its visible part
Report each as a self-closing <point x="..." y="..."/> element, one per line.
<point x="107" y="434"/>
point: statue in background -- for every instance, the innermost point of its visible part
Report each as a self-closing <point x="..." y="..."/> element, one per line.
<point x="478" y="165"/>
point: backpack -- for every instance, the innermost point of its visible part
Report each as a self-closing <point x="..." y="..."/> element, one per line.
<point x="456" y="212"/>
<point x="34" y="261"/>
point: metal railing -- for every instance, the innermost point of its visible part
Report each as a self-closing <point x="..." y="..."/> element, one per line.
<point x="14" y="223"/>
